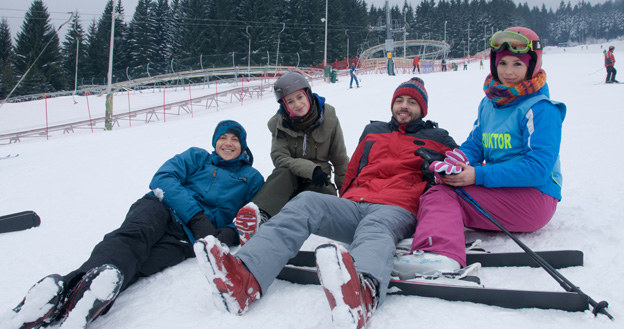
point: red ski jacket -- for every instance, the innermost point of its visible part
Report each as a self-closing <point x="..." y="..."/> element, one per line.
<point x="384" y="168"/>
<point x="610" y="61"/>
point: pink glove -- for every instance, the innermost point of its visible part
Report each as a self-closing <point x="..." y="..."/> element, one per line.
<point x="449" y="166"/>
<point x="440" y="169"/>
<point x="454" y="156"/>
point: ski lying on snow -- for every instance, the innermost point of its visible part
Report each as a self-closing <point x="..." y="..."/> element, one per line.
<point x="557" y="258"/>
<point x="508" y="298"/>
<point x="19" y="221"/>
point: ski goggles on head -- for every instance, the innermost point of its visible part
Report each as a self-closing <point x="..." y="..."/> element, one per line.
<point x="516" y="42"/>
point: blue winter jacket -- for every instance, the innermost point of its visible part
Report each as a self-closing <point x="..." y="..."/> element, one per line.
<point x="196" y="180"/>
<point x="519" y="143"/>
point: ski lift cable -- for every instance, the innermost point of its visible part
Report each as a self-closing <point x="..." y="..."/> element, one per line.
<point x="71" y="15"/>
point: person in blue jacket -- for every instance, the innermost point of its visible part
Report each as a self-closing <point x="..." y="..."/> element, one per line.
<point x="509" y="163"/>
<point x="353" y="77"/>
<point x="193" y="195"/>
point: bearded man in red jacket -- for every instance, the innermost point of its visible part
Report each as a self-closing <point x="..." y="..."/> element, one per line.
<point x="385" y="178"/>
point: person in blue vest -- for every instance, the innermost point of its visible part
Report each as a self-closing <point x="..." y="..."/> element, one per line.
<point x="193" y="195"/>
<point x="509" y="163"/>
<point x="353" y="77"/>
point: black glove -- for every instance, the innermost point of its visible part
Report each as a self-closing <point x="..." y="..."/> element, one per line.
<point x="227" y="235"/>
<point x="201" y="226"/>
<point x="319" y="177"/>
<point x="428" y="156"/>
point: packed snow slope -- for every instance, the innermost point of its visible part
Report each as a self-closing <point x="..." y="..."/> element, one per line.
<point x="83" y="184"/>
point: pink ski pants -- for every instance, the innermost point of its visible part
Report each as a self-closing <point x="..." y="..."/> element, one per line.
<point x="443" y="214"/>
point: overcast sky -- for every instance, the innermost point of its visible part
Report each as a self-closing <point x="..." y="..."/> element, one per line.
<point x="14" y="10"/>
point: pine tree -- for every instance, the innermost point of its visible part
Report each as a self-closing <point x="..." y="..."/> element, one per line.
<point x="175" y="31"/>
<point x="336" y="37"/>
<point x="266" y="19"/>
<point x="162" y="16"/>
<point x="294" y="35"/>
<point x="306" y="30"/>
<point x="98" y="46"/>
<point x="225" y="34"/>
<point x="91" y="65"/>
<point x="73" y="45"/>
<point x="192" y="34"/>
<point x="38" y="37"/>
<point x="7" y="77"/>
<point x="279" y="16"/>
<point x="142" y="36"/>
<point x="121" y="56"/>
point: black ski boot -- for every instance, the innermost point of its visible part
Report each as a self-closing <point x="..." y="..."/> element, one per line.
<point x="40" y="306"/>
<point x="91" y="296"/>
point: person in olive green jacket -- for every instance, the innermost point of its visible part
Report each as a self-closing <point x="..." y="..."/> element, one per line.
<point x="307" y="147"/>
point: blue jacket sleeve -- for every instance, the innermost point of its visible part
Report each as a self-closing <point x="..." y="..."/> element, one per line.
<point x="169" y="182"/>
<point x="541" y="139"/>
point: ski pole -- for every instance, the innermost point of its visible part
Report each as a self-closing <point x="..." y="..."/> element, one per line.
<point x="598" y="70"/>
<point x="599" y="307"/>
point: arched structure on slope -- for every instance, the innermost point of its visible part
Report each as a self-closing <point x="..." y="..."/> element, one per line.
<point x="425" y="49"/>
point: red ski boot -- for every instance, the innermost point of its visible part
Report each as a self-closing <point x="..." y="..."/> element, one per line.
<point x="247" y="222"/>
<point x="233" y="287"/>
<point x="352" y="297"/>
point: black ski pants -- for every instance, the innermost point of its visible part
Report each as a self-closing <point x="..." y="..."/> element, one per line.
<point x="611" y="71"/>
<point x="148" y="241"/>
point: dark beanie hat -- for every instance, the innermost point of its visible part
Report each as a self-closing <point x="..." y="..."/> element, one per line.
<point x="232" y="127"/>
<point x="414" y="88"/>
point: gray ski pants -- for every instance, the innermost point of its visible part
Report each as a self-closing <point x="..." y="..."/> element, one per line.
<point x="372" y="230"/>
<point x="281" y="186"/>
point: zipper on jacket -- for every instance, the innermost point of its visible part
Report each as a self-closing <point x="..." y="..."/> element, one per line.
<point x="305" y="143"/>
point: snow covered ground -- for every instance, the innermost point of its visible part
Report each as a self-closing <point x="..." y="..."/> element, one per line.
<point x="82" y="185"/>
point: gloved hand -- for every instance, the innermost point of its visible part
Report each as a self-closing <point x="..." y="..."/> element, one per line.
<point x="449" y="166"/>
<point x="456" y="155"/>
<point x="227" y="235"/>
<point x="429" y="156"/>
<point x="201" y="226"/>
<point x="441" y="168"/>
<point x="319" y="177"/>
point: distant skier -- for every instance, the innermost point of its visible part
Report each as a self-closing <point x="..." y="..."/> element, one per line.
<point x="390" y="65"/>
<point x="465" y="64"/>
<point x="517" y="136"/>
<point x="443" y="64"/>
<point x="376" y="207"/>
<point x="353" y="77"/>
<point x="193" y="195"/>
<point x="416" y="63"/>
<point x="606" y="63"/>
<point x="610" y="64"/>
